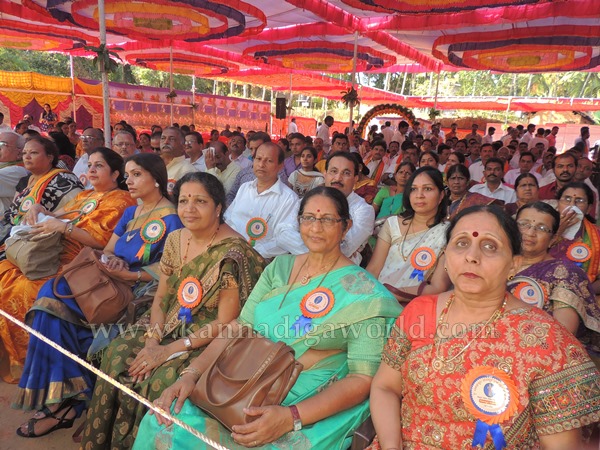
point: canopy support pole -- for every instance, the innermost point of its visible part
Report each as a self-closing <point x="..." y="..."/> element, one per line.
<point x="105" y="92"/>
<point x="289" y="108"/>
<point x="73" y="105"/>
<point x="193" y="98"/>
<point x="171" y="79"/>
<point x="437" y="88"/>
<point x="507" y="110"/>
<point x="350" y="129"/>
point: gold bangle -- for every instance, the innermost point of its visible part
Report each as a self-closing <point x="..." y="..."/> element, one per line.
<point x="153" y="333"/>
<point x="190" y="370"/>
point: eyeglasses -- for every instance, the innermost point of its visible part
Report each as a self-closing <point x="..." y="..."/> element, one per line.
<point x="526" y="226"/>
<point x="124" y="145"/>
<point x="156" y="149"/>
<point x="327" y="222"/>
<point x="188" y="143"/>
<point x="569" y="199"/>
<point x="88" y="138"/>
<point x="5" y="144"/>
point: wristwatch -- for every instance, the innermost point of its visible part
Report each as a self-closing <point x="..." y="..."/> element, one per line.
<point x="296" y="418"/>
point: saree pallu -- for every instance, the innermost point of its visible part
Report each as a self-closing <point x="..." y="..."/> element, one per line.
<point x="589" y="234"/>
<point x="17" y="292"/>
<point x="367" y="189"/>
<point x="49" y="377"/>
<point x="360" y="304"/>
<point x="398" y="270"/>
<point x="565" y="285"/>
<point x="113" y="417"/>
<point x="557" y="386"/>
<point x="470" y="199"/>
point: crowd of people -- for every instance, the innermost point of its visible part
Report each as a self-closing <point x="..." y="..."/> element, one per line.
<point x="461" y="276"/>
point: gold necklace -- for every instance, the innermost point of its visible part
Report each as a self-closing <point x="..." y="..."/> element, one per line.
<point x="320" y="282"/>
<point x="306" y="278"/>
<point x="132" y="233"/>
<point x="187" y="247"/>
<point x="405" y="258"/>
<point x="438" y="362"/>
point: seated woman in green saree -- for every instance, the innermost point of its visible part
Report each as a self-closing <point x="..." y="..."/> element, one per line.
<point x="338" y="340"/>
<point x="207" y="273"/>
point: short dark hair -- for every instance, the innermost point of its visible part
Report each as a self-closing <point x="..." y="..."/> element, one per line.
<point x="296" y="136"/>
<point x="347" y="156"/>
<point x="494" y="161"/>
<point x="64" y="145"/>
<point x="562" y="156"/>
<point x="437" y="178"/>
<point x="338" y="136"/>
<point x="153" y="163"/>
<point x="380" y="143"/>
<point x="198" y="136"/>
<point x="507" y="223"/>
<point x="526" y="154"/>
<point x="209" y="182"/>
<point x="544" y="208"/>
<point x="259" y="136"/>
<point x="339" y="200"/>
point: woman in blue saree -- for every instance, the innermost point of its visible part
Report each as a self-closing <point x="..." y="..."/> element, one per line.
<point x="338" y="341"/>
<point x="52" y="383"/>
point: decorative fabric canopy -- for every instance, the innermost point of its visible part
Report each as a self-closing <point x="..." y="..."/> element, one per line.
<point x="253" y="41"/>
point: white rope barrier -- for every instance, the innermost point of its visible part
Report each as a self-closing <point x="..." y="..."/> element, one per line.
<point x="115" y="383"/>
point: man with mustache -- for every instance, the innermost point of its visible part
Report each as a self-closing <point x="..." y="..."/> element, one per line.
<point x="341" y="172"/>
<point x="173" y="155"/>
<point x="493" y="187"/>
<point x="564" y="167"/>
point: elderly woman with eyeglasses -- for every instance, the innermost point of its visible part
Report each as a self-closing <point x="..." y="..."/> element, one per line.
<point x="338" y="338"/>
<point x="558" y="287"/>
<point x="584" y="247"/>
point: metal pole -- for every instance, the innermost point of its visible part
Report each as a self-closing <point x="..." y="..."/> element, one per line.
<point x="73" y="105"/>
<point x="437" y="87"/>
<point x="353" y="80"/>
<point x="193" y="98"/>
<point x="289" y="116"/>
<point x="105" y="92"/>
<point x="171" y="79"/>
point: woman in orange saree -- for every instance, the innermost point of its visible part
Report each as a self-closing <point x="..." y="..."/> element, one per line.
<point x="101" y="209"/>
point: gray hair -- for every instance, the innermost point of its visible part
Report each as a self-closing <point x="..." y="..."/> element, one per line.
<point x="19" y="139"/>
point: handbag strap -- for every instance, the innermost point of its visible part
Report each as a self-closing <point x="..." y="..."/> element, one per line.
<point x="263" y="367"/>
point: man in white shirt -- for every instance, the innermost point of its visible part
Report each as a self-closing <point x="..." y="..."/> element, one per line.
<point x="173" y="155"/>
<point x="493" y="187"/>
<point x="584" y="139"/>
<point x="489" y="137"/>
<point x="525" y="165"/>
<point x="90" y="139"/>
<point x="220" y="165"/>
<point x="400" y="134"/>
<point x="342" y="174"/>
<point x="529" y="134"/>
<point x="29" y="121"/>
<point x="236" y="146"/>
<point x="477" y="169"/>
<point x="292" y="127"/>
<point x="264" y="205"/>
<point x="11" y="166"/>
<point x="388" y="132"/>
<point x="323" y="133"/>
<point x="194" y="146"/>
<point x="124" y="143"/>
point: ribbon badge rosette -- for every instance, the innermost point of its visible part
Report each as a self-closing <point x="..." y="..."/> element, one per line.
<point x="528" y="290"/>
<point x="151" y="232"/>
<point x="317" y="303"/>
<point x="256" y="229"/>
<point x="189" y="295"/>
<point x="579" y="252"/>
<point x="491" y="397"/>
<point x="422" y="259"/>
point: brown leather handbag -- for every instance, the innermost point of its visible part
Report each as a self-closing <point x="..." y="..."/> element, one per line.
<point x="251" y="371"/>
<point x="102" y="298"/>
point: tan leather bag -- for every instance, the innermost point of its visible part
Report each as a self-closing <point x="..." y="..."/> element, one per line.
<point x="102" y="299"/>
<point x="251" y="371"/>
